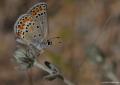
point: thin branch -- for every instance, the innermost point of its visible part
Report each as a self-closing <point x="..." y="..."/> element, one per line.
<point x="38" y="65"/>
<point x="52" y="73"/>
<point x="68" y="82"/>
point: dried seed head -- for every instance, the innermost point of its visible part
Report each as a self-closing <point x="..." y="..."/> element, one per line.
<point x="24" y="58"/>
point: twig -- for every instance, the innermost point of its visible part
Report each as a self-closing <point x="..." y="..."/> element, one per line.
<point x="36" y="64"/>
<point x="52" y="73"/>
<point x="29" y="77"/>
<point x="68" y="82"/>
<point x="26" y="59"/>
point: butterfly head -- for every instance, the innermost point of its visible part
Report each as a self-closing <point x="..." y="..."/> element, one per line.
<point x="49" y="42"/>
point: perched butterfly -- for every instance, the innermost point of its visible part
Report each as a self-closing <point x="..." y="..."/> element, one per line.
<point x="32" y="28"/>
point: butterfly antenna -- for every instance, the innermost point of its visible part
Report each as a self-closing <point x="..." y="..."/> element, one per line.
<point x="54" y="38"/>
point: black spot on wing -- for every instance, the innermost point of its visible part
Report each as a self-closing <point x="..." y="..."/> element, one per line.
<point x="39" y="34"/>
<point x="34" y="36"/>
<point x="38" y="27"/>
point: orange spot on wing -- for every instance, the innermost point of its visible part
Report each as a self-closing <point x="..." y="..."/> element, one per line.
<point x="18" y="34"/>
<point x="33" y="13"/>
<point x="37" y="9"/>
<point x="25" y="20"/>
<point x="29" y="20"/>
<point x="31" y="29"/>
<point x="40" y="8"/>
<point x="20" y="27"/>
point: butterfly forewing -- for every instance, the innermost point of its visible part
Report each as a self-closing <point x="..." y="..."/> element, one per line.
<point x="39" y="13"/>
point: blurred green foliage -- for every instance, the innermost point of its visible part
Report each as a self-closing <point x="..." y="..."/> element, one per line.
<point x="95" y="54"/>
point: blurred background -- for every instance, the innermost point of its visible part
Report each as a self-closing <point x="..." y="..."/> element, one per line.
<point x="90" y="44"/>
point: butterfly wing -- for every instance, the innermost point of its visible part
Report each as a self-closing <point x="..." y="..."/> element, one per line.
<point x="39" y="13"/>
<point x="26" y="30"/>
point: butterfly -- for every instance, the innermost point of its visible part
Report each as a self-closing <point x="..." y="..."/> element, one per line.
<point x="31" y="28"/>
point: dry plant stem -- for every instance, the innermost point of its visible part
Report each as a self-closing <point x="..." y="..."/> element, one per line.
<point x="103" y="31"/>
<point x="38" y="65"/>
<point x="30" y="77"/>
<point x="68" y="82"/>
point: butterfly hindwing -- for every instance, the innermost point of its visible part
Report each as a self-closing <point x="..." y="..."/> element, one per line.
<point x="25" y="29"/>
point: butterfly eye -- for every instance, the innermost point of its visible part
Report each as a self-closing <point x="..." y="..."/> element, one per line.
<point x="26" y="30"/>
<point x="49" y="42"/>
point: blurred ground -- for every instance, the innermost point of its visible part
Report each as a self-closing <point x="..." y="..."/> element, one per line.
<point x="90" y="48"/>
